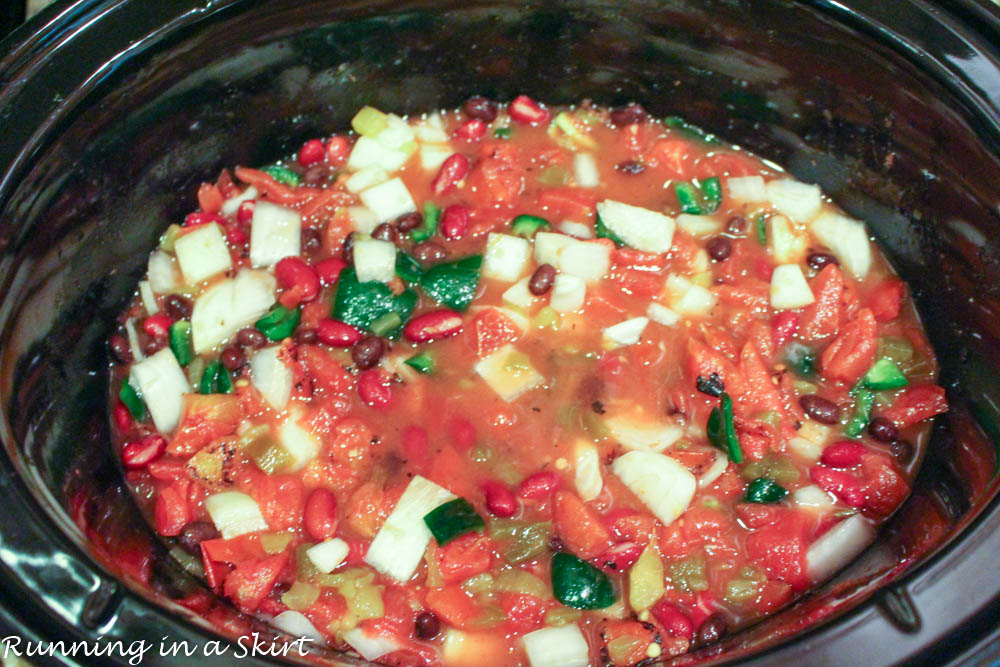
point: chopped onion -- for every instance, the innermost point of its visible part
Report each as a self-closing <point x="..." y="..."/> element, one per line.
<point x="799" y="201"/>
<point x="295" y="624"/>
<point x="585" y="170"/>
<point x="665" y="486"/>
<point x="506" y="257"/>
<point x="370" y="647"/>
<point x="838" y="547"/>
<point x="557" y="647"/>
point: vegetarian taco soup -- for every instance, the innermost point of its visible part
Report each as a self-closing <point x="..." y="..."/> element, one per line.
<point x="517" y="385"/>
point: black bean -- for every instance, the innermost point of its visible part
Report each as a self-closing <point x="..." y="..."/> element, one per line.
<point x="232" y="357"/>
<point x="817" y="260"/>
<point x="120" y="349"/>
<point x="902" y="451"/>
<point x="367" y="351"/>
<point x="348" y="248"/>
<point x="250" y="337"/>
<point x="556" y="543"/>
<point x="629" y="114"/>
<point x="631" y="167"/>
<point x="153" y="345"/>
<point x="712" y="385"/>
<point x="427" y="625"/>
<point x="542" y="279"/>
<point x="737" y="225"/>
<point x="194" y="534"/>
<point x="311" y="239"/>
<point x="409" y="221"/>
<point x="820" y="409"/>
<point x="883" y="430"/>
<point x="429" y="251"/>
<point x="304" y="336"/>
<point x="386" y="232"/>
<point x="178" y="307"/>
<point x="712" y="630"/>
<point x="482" y="108"/>
<point x="719" y="248"/>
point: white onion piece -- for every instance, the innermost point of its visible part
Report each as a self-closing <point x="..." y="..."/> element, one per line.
<point x="838" y="547"/>
<point x="297" y="625"/>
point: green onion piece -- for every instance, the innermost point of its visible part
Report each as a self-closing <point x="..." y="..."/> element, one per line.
<point x="180" y="342"/>
<point x="422" y="363"/>
<point x="279" y="323"/>
<point x="407" y="268"/>
<point x="578" y="584"/>
<point x="688" y="198"/>
<point x="722" y="430"/>
<point x="502" y="133"/>
<point x="208" y="381"/>
<point x="862" y="413"/>
<point x="432" y="214"/>
<point x="764" y="490"/>
<point x="711" y="190"/>
<point x="760" y="222"/>
<point x="386" y="323"/>
<point x="131" y="399"/>
<point x="282" y="175"/>
<point x="527" y="225"/>
<point x="453" y="519"/>
<point x="603" y="232"/>
<point x="884" y="374"/>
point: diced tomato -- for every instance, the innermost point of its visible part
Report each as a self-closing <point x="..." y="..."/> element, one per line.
<point x="773" y="595"/>
<point x="569" y="203"/>
<point x="367" y="509"/>
<point x="209" y="198"/>
<point x="758" y="515"/>
<point x="852" y="352"/>
<point x="463" y="434"/>
<point x="840" y="483"/>
<point x="724" y="163"/>
<point x="780" y="550"/>
<point x="636" y="282"/>
<point x="464" y="557"/>
<point x="416" y="448"/>
<point x="491" y="330"/>
<point x="331" y="606"/>
<point x="630" y="526"/>
<point x="281" y="499"/>
<point x="728" y="485"/>
<point x="886" y="300"/>
<point x="915" y="404"/>
<point x="171" y="511"/>
<point x="703" y="361"/>
<point x="885" y="487"/>
<point x="761" y="390"/>
<point x="674" y="542"/>
<point x="498" y="177"/>
<point x="822" y="318"/>
<point x="235" y="550"/>
<point x="454" y="606"/>
<point x="205" y="418"/>
<point x="759" y="333"/>
<point x="639" y="260"/>
<point x="326" y="373"/>
<point x="523" y="612"/>
<point x="784" y="325"/>
<point x="673" y="156"/>
<point x="579" y="526"/>
<point x="752" y="294"/>
<point x="624" y="653"/>
<point x="251" y="582"/>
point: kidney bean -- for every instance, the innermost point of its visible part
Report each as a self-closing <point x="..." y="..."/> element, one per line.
<point x="347" y="248"/>
<point x="500" y="500"/>
<point x="620" y="557"/>
<point x="328" y="271"/>
<point x="367" y="352"/>
<point x="542" y="279"/>
<point x="817" y="260"/>
<point x="429" y="251"/>
<point x="844" y="485"/>
<point x="673" y="620"/>
<point x="557" y="543"/>
<point x="312" y="152"/>
<point x="843" y="454"/>
<point x="293" y="274"/>
<point x="902" y="451"/>
<point x="244" y="214"/>
<point x="719" y="248"/>
<point x="337" y="150"/>
<point x="631" y="167"/>
<point x="153" y="345"/>
<point x="737" y="225"/>
<point x="120" y="349"/>
<point x="630" y="114"/>
<point x="137" y="454"/>
<point x="409" y="221"/>
<point x="481" y="108"/>
<point x="304" y="336"/>
<point x="386" y="232"/>
<point x="433" y="326"/>
<point x="527" y="111"/>
<point x="427" y="625"/>
<point x="320" y="515"/>
<point x="157" y="326"/>
<point x="455" y="222"/>
<point x="712" y="630"/>
<point x="374" y="388"/>
<point x="123" y="418"/>
<point x="539" y="485"/>
<point x="451" y="172"/>
<point x="471" y="130"/>
<point x="883" y="430"/>
<point x="250" y="337"/>
<point x="336" y="333"/>
<point x="232" y="357"/>
<point x="312" y="239"/>
<point x="784" y="325"/>
<point x="194" y="533"/>
<point x="178" y="307"/>
<point x="818" y="408"/>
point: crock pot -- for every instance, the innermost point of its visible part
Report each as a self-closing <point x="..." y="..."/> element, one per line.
<point x="112" y="111"/>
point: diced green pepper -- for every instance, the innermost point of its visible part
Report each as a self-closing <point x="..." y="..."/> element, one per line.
<point x="407" y="268"/>
<point x="279" y="323"/>
<point x="604" y="232"/>
<point x="453" y="519"/>
<point x="453" y="284"/>
<point x="131" y="399"/>
<point x="361" y="304"/>
<point x="578" y="584"/>
<point x="422" y="363"/>
<point x="760" y="223"/>
<point x="711" y="190"/>
<point x="502" y="133"/>
<point x="764" y="490"/>
<point x="527" y="225"/>
<point x="282" y="175"/>
<point x="862" y="413"/>
<point x="687" y="196"/>
<point x="520" y="541"/>
<point x="432" y="214"/>
<point x="722" y="430"/>
<point x="215" y="379"/>
<point x="384" y="324"/>
<point x="883" y="375"/>
<point x="180" y="342"/>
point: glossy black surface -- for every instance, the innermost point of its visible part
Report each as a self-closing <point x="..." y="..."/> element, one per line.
<point x="113" y="112"/>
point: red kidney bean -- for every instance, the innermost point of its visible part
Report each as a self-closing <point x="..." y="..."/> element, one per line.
<point x="232" y="357"/>
<point x="426" y="625"/>
<point x="542" y="279"/>
<point x="120" y="349"/>
<point x="194" y="534"/>
<point x="481" y="108"/>
<point x="463" y="434"/>
<point x="367" y="351"/>
<point x="500" y="500"/>
<point x="320" y="515"/>
<point x="336" y="333"/>
<point x="527" y="111"/>
<point x="337" y="150"/>
<point x="250" y="337"/>
<point x="455" y="222"/>
<point x="123" y="418"/>
<point x="843" y="454"/>
<point x="818" y="408"/>
<point x="818" y="260"/>
<point x="201" y="218"/>
<point x="137" y="454"/>
<point x="539" y="485"/>
<point x="902" y="451"/>
<point x="883" y="430"/>
<point x="712" y="630"/>
<point x="328" y="271"/>
<point x="157" y="326"/>
<point x="312" y="239"/>
<point x="347" y="248"/>
<point x="294" y="274"/>
<point x="409" y="221"/>
<point x="784" y="325"/>
<point x="386" y="232"/>
<point x="304" y="336"/>
<point x="630" y="114"/>
<point x="178" y="307"/>
<point x="620" y="557"/>
<point x="432" y="326"/>
<point x="244" y="214"/>
<point x="845" y="486"/>
<point x="312" y="152"/>
<point x="673" y="619"/>
<point x="451" y="172"/>
<point x="374" y="388"/>
<point x="737" y="225"/>
<point x="719" y="248"/>
<point x="471" y="130"/>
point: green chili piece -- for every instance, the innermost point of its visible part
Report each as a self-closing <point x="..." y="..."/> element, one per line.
<point x="527" y="226"/>
<point x="385" y="324"/>
<point x="578" y="584"/>
<point x="453" y="284"/>
<point x="711" y="190"/>
<point x="208" y="381"/>
<point x="131" y="399"/>
<point x="279" y="323"/>
<point x="883" y="375"/>
<point x="180" y="342"/>
<point x="432" y="214"/>
<point x="862" y="413"/>
<point x="283" y="175"/>
<point x="604" y="232"/>
<point x="422" y="363"/>
<point x="502" y="133"/>
<point x="721" y="429"/>
<point x="764" y="490"/>
<point x="453" y="519"/>
<point x="688" y="198"/>
<point x="407" y="268"/>
<point x="760" y="222"/>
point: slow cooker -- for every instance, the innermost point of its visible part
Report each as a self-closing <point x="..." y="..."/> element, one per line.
<point x="112" y="110"/>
